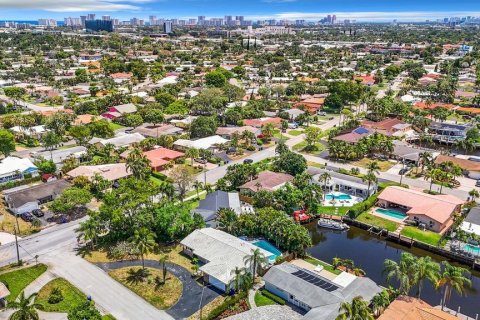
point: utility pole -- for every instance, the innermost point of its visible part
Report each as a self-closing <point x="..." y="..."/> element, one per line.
<point x="16" y="241"/>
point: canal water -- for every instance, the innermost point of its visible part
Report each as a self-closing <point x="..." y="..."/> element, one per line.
<point x="369" y="252"/>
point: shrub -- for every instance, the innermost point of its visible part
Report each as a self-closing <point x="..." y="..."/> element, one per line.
<point x="55" y="296"/>
<point x="227" y="304"/>
<point x="250" y="148"/>
<point x="363" y="206"/>
<point x="159" y="176"/>
<point x="273" y="297"/>
<point x="123" y="250"/>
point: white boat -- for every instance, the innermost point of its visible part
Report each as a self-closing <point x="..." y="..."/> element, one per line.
<point x="331" y="224"/>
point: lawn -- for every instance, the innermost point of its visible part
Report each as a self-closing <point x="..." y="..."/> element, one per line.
<point x="278" y="134"/>
<point x="426" y="236"/>
<point x="315" y="164"/>
<point x="160" y="296"/>
<point x="295" y="132"/>
<point x="8" y="223"/>
<point x="384" y="165"/>
<point x="71" y="296"/>
<point x="115" y="126"/>
<point x="331" y="210"/>
<point x="328" y="267"/>
<point x="261" y="300"/>
<point x="377" y="221"/>
<point x="19" y="279"/>
<point x="300" y="147"/>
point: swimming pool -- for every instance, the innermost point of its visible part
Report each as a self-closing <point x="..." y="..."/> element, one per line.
<point x="265" y="245"/>
<point x="337" y="196"/>
<point x="391" y="213"/>
<point x="473" y="249"/>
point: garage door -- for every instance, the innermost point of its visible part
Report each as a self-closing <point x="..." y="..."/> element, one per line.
<point x="216" y="283"/>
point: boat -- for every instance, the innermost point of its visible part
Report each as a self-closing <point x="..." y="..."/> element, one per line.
<point x="331" y="224"/>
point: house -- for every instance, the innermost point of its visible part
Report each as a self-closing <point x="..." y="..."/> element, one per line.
<point x="82" y="119"/>
<point x="355" y="136"/>
<point x="448" y="132"/>
<point x="160" y="157"/>
<point x="402" y="151"/>
<point x="388" y="126"/>
<point x="367" y="80"/>
<point x="4" y="293"/>
<point x="312" y="105"/>
<point x="409" y="308"/>
<point x="344" y="183"/>
<point x="13" y="168"/>
<point x="59" y="156"/>
<point x="119" y="111"/>
<point x="260" y="122"/>
<point x="219" y="254"/>
<point x="215" y="201"/>
<point x="436" y="212"/>
<point x="124" y="140"/>
<point x="149" y="130"/>
<point x="470" y="168"/>
<point x="120" y="77"/>
<point x="202" y="143"/>
<point x="227" y="132"/>
<point x="30" y="198"/>
<point x="314" y="292"/>
<point x="35" y="132"/>
<point x="111" y="172"/>
<point x="471" y="223"/>
<point x="294" y="113"/>
<point x="266" y="180"/>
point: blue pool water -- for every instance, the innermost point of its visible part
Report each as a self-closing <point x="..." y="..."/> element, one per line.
<point x="265" y="245"/>
<point x="473" y="249"/>
<point x="337" y="196"/>
<point x="392" y="213"/>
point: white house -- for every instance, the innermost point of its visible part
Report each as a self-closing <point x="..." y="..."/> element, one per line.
<point x="203" y="143"/>
<point x="13" y="168"/>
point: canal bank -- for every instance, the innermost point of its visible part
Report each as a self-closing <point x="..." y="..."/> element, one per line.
<point x="369" y="252"/>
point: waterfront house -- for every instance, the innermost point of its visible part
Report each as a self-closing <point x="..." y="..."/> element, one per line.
<point x="435" y="212"/>
<point x="448" y="132"/>
<point x="266" y="180"/>
<point x="13" y="168"/>
<point x="215" y="201"/>
<point x="314" y="292"/>
<point x="471" y="223"/>
<point x="409" y="308"/>
<point x="219" y="254"/>
<point x="344" y="183"/>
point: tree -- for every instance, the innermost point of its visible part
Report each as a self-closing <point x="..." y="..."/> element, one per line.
<point x="51" y="140"/>
<point x="101" y="129"/>
<point x="138" y="164"/>
<point x="144" y="241"/>
<point x="183" y="177"/>
<point x="356" y="310"/>
<point x="89" y="229"/>
<point x="81" y="134"/>
<point x="256" y="260"/>
<point x="154" y="116"/>
<point x="203" y="127"/>
<point x="426" y="160"/>
<point x="453" y="278"/>
<point x="192" y="153"/>
<point x="380" y="301"/>
<point x="268" y="130"/>
<point x="139" y="69"/>
<point x="69" y="199"/>
<point x="14" y="93"/>
<point x="227" y="218"/>
<point x="46" y="166"/>
<point x="133" y="120"/>
<point x="197" y="185"/>
<point x="84" y="311"/>
<point x="163" y="262"/>
<point x="325" y="178"/>
<point x="210" y="101"/>
<point x="165" y="99"/>
<point x="59" y="122"/>
<point x="369" y="178"/>
<point x="425" y="268"/>
<point x="474" y="194"/>
<point x="7" y="142"/>
<point x="333" y="102"/>
<point x="215" y="78"/>
<point x="25" y="307"/>
<point x="312" y="136"/>
<point x="291" y="163"/>
<point x="403" y="272"/>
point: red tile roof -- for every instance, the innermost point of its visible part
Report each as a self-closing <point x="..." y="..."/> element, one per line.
<point x="161" y="156"/>
<point x="267" y="180"/>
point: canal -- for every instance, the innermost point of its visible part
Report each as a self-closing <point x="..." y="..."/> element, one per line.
<point x="369" y="252"/>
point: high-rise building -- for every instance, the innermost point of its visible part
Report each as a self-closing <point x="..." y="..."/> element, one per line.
<point x="134" y="21"/>
<point x="168" y="26"/>
<point x="152" y="20"/>
<point x="91" y="16"/>
<point x="72" y="22"/>
<point x="175" y="22"/>
<point x="240" y="19"/>
<point x="192" y="22"/>
<point x="334" y="19"/>
<point x="83" y="19"/>
<point x="201" y="20"/>
<point x="99" y="25"/>
<point x="47" y="22"/>
<point x="228" y="20"/>
<point x="106" y="18"/>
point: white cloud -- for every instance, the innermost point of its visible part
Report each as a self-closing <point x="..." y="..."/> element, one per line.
<point x="410" y="16"/>
<point x="73" y="5"/>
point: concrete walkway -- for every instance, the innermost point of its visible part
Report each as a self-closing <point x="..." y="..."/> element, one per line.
<point x="5" y="315"/>
<point x="39" y="283"/>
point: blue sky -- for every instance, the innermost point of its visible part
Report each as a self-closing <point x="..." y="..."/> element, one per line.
<point x="362" y="10"/>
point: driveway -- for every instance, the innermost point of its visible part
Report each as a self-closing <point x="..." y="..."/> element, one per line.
<point x="189" y="302"/>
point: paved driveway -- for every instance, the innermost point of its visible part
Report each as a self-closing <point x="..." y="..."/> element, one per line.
<point x="189" y="302"/>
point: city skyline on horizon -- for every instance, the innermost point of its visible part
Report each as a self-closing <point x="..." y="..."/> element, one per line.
<point x="311" y="10"/>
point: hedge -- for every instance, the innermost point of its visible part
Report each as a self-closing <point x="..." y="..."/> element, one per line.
<point x="363" y="206"/>
<point x="273" y="297"/>
<point x="17" y="183"/>
<point x="227" y="304"/>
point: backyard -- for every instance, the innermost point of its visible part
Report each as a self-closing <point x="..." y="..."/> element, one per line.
<point x="262" y="300"/>
<point x="426" y="236"/>
<point x="368" y="218"/>
<point x="326" y="266"/>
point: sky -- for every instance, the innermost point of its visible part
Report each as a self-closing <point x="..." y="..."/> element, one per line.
<point x="361" y="10"/>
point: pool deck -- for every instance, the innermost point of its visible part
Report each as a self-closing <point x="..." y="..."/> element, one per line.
<point x="374" y="212"/>
<point x="345" y="203"/>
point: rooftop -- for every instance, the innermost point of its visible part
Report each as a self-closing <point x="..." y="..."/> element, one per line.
<point x="37" y="192"/>
<point x="267" y="180"/>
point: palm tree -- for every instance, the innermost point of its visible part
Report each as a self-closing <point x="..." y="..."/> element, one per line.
<point x="192" y="153"/>
<point x="369" y="178"/>
<point x="402" y="271"/>
<point x="453" y="278"/>
<point x="426" y="159"/>
<point x="325" y="178"/>
<point x="246" y="281"/>
<point x="356" y="310"/>
<point x="267" y="130"/>
<point x="373" y="167"/>
<point x="227" y="219"/>
<point x="163" y="260"/>
<point x="144" y="241"/>
<point x="380" y="301"/>
<point x="431" y="174"/>
<point x="255" y="260"/>
<point x="425" y="268"/>
<point x="238" y="274"/>
<point x="25" y="307"/>
<point x="197" y="185"/>
<point x="474" y="194"/>
<point x="138" y="164"/>
<point x="89" y="229"/>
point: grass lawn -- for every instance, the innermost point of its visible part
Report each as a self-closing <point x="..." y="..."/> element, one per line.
<point x="115" y="126"/>
<point x="325" y="265"/>
<point x="18" y="280"/>
<point x="261" y="300"/>
<point x="426" y="236"/>
<point x="162" y="296"/>
<point x="377" y="221"/>
<point x="384" y="165"/>
<point x="295" y="132"/>
<point x="301" y="146"/>
<point x="278" y="134"/>
<point x="315" y="164"/>
<point x="8" y="223"/>
<point x="108" y="317"/>
<point x="331" y="210"/>
<point x="71" y="296"/>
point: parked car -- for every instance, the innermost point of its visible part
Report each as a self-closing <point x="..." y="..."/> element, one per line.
<point x="38" y="213"/>
<point x="477" y="184"/>
<point x="27" y="216"/>
<point x="403" y="171"/>
<point x="202" y="161"/>
<point x="248" y="161"/>
<point x="322" y="113"/>
<point x="293" y="125"/>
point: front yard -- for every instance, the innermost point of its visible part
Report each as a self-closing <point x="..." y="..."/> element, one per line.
<point x="262" y="300"/>
<point x="430" y="237"/>
<point x="72" y="297"/>
<point x="19" y="279"/>
<point x="384" y="165"/>
<point x="368" y="218"/>
<point x="316" y="150"/>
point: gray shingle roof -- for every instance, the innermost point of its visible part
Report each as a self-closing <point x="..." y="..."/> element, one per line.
<point x="473" y="216"/>
<point x="214" y="201"/>
<point x="37" y="192"/>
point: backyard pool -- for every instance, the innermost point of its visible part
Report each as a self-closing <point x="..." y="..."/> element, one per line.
<point x="391" y="213"/>
<point x="337" y="196"/>
<point x="265" y="245"/>
<point x="473" y="249"/>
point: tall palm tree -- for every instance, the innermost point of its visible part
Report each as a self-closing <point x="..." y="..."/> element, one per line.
<point x="25" y="307"/>
<point x="425" y="268"/>
<point x="267" y="130"/>
<point x="227" y="219"/>
<point x="163" y="262"/>
<point x="255" y="260"/>
<point x="138" y="164"/>
<point x="431" y="174"/>
<point x="369" y="178"/>
<point x="453" y="278"/>
<point x="474" y="194"/>
<point x="192" y="153"/>
<point x="373" y="167"/>
<point x="197" y="185"/>
<point x="380" y="301"/>
<point x="356" y="310"/>
<point x="325" y="178"/>
<point x="403" y="271"/>
<point x="144" y="241"/>
<point x="89" y="229"/>
<point x="238" y="275"/>
<point x="426" y="160"/>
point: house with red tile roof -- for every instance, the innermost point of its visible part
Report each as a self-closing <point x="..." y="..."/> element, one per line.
<point x="388" y="126"/>
<point x="409" y="308"/>
<point x="436" y="212"/>
<point x="120" y="77"/>
<point x="367" y="80"/>
<point x="266" y="180"/>
<point x="312" y="105"/>
<point x="355" y="135"/>
<point x="258" y="123"/>
<point x="424" y="105"/>
<point x="160" y="157"/>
